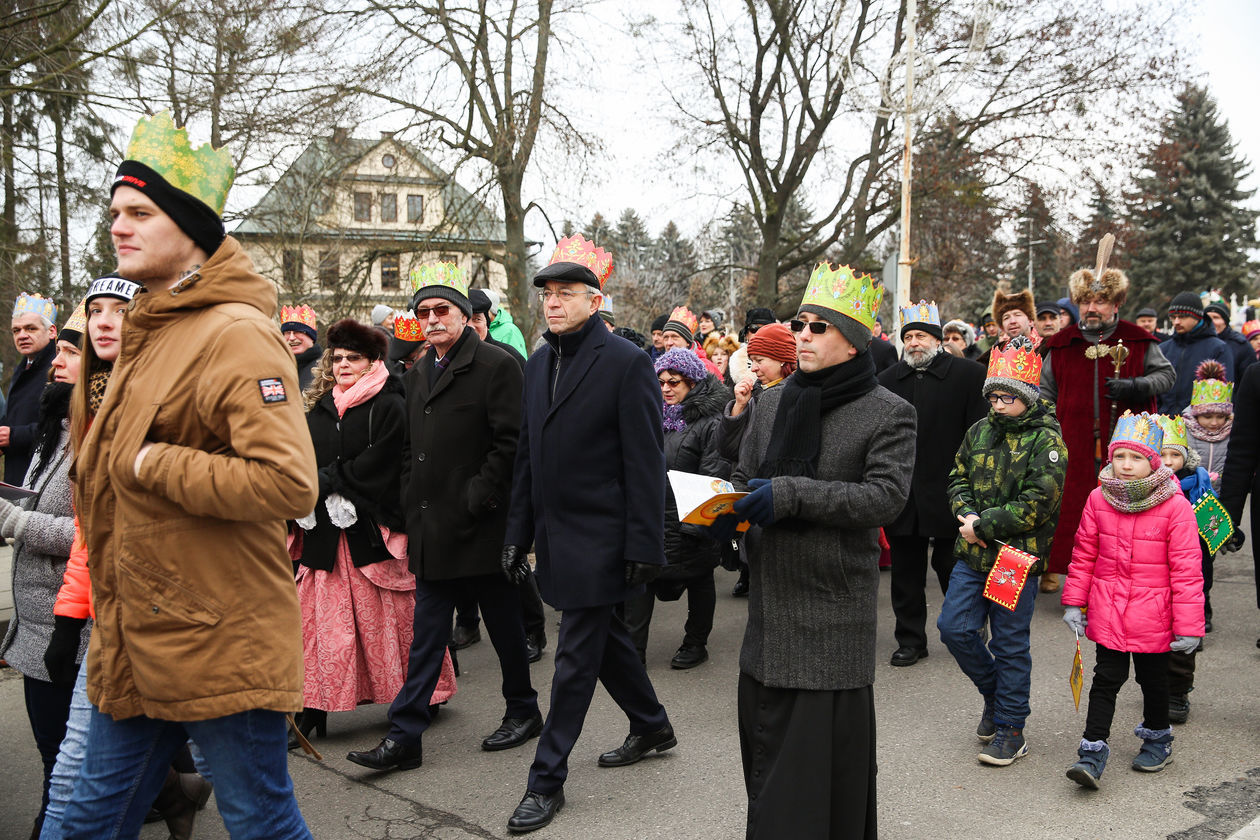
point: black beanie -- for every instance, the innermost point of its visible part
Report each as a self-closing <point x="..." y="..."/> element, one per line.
<point x="659" y="323"/>
<point x="192" y="215"/>
<point x="1219" y="307"/>
<point x="1186" y="303"/>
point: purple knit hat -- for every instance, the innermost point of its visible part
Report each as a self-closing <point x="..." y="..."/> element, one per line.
<point x="684" y="362"/>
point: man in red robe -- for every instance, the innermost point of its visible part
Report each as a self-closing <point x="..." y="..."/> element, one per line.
<point x="1080" y="376"/>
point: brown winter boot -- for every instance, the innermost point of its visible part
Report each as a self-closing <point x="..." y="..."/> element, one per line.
<point x="181" y="797"/>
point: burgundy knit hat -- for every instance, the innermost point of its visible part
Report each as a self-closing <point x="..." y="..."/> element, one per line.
<point x="773" y="341"/>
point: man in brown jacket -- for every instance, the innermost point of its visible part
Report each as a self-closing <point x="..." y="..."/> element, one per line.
<point x="193" y="462"/>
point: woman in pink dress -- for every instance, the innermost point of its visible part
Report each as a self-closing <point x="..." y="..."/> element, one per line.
<point x="356" y="593"/>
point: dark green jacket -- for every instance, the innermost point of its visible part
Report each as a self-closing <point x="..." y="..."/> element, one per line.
<point x="1009" y="471"/>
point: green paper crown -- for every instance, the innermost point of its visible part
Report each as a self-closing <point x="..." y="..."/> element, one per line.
<point x="856" y="295"/>
<point x="1175" y="433"/>
<point x="204" y="173"/>
<point x="1211" y="392"/>
<point x="446" y="274"/>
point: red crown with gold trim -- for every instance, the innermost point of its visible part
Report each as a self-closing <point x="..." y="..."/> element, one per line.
<point x="303" y="315"/>
<point x="408" y="329"/>
<point x="1016" y="360"/>
<point x="575" y="249"/>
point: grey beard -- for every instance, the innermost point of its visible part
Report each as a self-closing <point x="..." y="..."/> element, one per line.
<point x="925" y="359"/>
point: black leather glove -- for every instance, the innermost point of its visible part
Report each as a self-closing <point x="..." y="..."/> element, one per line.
<point x="326" y="480"/>
<point x="1124" y="390"/>
<point x="637" y="574"/>
<point x="1234" y="543"/>
<point x="62" y="650"/>
<point x="515" y="563"/>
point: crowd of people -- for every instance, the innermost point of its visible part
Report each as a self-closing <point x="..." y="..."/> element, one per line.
<point x="223" y="524"/>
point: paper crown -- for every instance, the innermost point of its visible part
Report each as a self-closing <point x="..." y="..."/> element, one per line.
<point x="1174" y="429"/>
<point x="921" y="313"/>
<point x="606" y="304"/>
<point x="76" y="325"/>
<point x="856" y="295"/>
<point x="303" y="315"/>
<point x="575" y="249"/>
<point x="205" y="173"/>
<point x="684" y="317"/>
<point x="41" y="306"/>
<point x="1016" y="360"/>
<point x="1251" y="328"/>
<point x="1141" y="428"/>
<point x="1210" y="386"/>
<point x="408" y="329"/>
<point x="446" y="274"/>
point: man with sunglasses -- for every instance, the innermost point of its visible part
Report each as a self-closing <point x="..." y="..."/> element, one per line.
<point x="827" y="457"/>
<point x="589" y="495"/>
<point x="463" y="418"/>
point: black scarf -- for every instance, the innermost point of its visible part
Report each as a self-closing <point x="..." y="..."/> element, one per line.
<point x="54" y="407"/>
<point x="796" y="438"/>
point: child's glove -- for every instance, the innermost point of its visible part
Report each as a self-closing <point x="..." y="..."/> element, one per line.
<point x="1185" y="644"/>
<point x="1074" y="618"/>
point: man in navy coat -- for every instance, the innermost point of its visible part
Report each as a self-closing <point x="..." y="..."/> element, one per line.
<point x="589" y="494"/>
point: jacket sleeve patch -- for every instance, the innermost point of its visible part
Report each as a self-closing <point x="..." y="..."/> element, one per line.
<point x="272" y="390"/>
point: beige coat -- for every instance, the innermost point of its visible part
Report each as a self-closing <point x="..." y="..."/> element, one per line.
<point x="196" y="610"/>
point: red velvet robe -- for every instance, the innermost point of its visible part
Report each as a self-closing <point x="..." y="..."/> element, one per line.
<point x="1077" y="378"/>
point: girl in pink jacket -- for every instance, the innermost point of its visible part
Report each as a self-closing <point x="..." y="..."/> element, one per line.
<point x="1135" y="565"/>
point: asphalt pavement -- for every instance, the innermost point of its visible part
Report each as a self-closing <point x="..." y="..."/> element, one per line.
<point x="930" y="783"/>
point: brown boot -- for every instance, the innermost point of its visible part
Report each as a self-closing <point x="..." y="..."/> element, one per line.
<point x="181" y="797"/>
<point x="1049" y="582"/>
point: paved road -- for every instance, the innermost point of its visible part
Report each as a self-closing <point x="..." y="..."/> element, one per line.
<point x="930" y="784"/>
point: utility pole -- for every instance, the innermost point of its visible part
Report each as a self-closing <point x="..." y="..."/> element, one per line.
<point x="903" y="263"/>
<point x="1031" y="243"/>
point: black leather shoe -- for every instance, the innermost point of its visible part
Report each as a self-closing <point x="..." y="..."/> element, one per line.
<point x="462" y="637"/>
<point x="637" y="746"/>
<point x="689" y="657"/>
<point x="741" y="588"/>
<point x="535" y="643"/>
<point x="512" y="733"/>
<point x="389" y="755"/>
<point x="535" y="811"/>
<point x="908" y="655"/>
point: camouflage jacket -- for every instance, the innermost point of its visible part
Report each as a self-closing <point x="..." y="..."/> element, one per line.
<point x="1009" y="471"/>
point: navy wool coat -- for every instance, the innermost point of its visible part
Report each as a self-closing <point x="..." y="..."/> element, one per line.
<point x="589" y="485"/>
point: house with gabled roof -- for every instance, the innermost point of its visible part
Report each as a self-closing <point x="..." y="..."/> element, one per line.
<point x="348" y="221"/>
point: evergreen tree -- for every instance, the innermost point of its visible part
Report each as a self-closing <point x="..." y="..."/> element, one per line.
<point x="1105" y="217"/>
<point x="1194" y="232"/>
<point x="1048" y="249"/>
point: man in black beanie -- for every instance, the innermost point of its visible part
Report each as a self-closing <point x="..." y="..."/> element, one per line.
<point x="1193" y="342"/>
<point x="1217" y="311"/>
<point x="658" y="337"/>
<point x="755" y="319"/>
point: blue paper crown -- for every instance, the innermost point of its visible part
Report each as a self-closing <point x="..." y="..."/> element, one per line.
<point x="921" y="313"/>
<point x="41" y="306"/>
<point x="1141" y="428"/>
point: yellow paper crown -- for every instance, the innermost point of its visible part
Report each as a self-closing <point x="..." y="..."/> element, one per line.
<point x="1174" y="429"/>
<point x="855" y="295"/>
<point x="575" y="249"/>
<point x="1141" y="428"/>
<point x="303" y="315"/>
<point x="408" y="329"/>
<point x="76" y="323"/>
<point x="205" y="173"/>
<point x="446" y="274"/>
<point x="920" y="313"/>
<point x="41" y="306"/>
<point x="1211" y="392"/>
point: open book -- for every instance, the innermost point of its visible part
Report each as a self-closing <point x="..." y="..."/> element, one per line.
<point x="703" y="498"/>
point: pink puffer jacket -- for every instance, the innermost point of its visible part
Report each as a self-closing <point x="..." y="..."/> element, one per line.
<point x="1140" y="574"/>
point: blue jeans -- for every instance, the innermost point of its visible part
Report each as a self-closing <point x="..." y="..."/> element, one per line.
<point x="69" y="759"/>
<point x="1002" y="669"/>
<point x="127" y="761"/>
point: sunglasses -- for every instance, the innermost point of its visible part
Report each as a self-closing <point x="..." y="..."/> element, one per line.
<point x="1005" y="399"/>
<point x="352" y="358"/>
<point x="440" y="310"/>
<point x="816" y="327"/>
<point x="670" y="383"/>
<point x="751" y="329"/>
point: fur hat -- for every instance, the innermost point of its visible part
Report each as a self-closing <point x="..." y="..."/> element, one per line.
<point x="684" y="362"/>
<point x="1114" y="286"/>
<point x="1021" y="300"/>
<point x="349" y="334"/>
<point x="962" y="328"/>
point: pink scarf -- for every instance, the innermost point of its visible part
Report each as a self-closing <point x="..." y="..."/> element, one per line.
<point x="367" y="386"/>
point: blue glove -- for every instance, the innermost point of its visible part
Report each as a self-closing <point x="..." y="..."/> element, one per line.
<point x="1074" y="618"/>
<point x="758" y="506"/>
<point x="723" y="528"/>
<point x="1185" y="644"/>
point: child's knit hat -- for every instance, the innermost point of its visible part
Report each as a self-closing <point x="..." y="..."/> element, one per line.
<point x="1140" y="432"/>
<point x="1177" y="438"/>
<point x="1213" y="393"/>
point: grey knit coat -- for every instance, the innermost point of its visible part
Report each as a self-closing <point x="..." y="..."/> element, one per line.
<point x="815" y="571"/>
<point x="39" y="561"/>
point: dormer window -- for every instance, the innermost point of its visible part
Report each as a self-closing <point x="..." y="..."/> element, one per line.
<point x="388" y="161"/>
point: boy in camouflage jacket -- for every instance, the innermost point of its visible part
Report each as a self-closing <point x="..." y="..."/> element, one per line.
<point x="1006" y="487"/>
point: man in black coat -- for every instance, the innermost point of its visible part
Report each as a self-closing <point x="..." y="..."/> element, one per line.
<point x="34" y="334"/>
<point x="1244" y="354"/>
<point x="946" y="394"/>
<point x="463" y="407"/>
<point x="1241" y="475"/>
<point x="589" y="494"/>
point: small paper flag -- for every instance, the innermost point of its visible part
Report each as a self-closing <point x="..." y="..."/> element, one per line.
<point x="1008" y="576"/>
<point x="1214" y="524"/>
<point x="1077" y="678"/>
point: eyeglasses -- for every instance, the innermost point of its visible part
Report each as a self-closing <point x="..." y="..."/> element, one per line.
<point x="440" y="310"/>
<point x="816" y="327"/>
<point x="352" y="358"/>
<point x="1005" y="399"/>
<point x="670" y="383"/>
<point x="751" y="329"/>
<point x="565" y="295"/>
